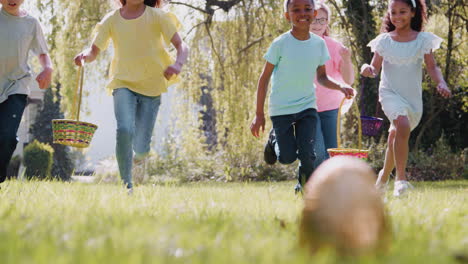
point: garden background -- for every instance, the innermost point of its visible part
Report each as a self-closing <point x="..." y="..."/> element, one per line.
<point x="208" y="135"/>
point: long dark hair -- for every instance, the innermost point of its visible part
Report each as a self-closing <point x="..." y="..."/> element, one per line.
<point x="417" y="22"/>
<point x="152" y="3"/>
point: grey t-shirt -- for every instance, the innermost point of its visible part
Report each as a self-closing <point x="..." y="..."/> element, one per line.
<point x="18" y="36"/>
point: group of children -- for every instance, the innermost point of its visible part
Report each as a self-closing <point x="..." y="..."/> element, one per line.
<point x="310" y="74"/>
<point x="296" y="57"/>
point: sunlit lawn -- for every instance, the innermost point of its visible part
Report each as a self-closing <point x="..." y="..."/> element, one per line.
<point x="53" y="222"/>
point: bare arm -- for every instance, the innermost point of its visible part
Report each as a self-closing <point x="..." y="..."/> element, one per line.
<point x="262" y="88"/>
<point x="45" y="77"/>
<point x="87" y="55"/>
<point x="373" y="69"/>
<point x="182" y="55"/>
<point x="436" y="75"/>
<point x="328" y="82"/>
<point x="346" y="66"/>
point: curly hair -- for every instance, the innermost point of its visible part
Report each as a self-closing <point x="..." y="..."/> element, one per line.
<point x="152" y="3"/>
<point x="417" y="22"/>
<point x="287" y="2"/>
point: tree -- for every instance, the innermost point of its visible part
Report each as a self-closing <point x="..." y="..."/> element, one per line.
<point x="228" y="39"/>
<point x="449" y="20"/>
<point x="41" y="130"/>
<point x="72" y="24"/>
<point x="228" y="45"/>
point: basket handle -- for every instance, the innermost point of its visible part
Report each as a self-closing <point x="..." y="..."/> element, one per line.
<point x="78" y="92"/>
<point x="338" y="124"/>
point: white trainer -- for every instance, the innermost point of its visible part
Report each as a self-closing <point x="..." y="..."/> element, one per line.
<point x="401" y="188"/>
<point x="379" y="185"/>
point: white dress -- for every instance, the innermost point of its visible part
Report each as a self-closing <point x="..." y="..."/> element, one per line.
<point x="400" y="89"/>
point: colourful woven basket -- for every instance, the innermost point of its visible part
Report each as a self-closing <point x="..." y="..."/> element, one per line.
<point x="73" y="132"/>
<point x="359" y="152"/>
<point x="371" y="125"/>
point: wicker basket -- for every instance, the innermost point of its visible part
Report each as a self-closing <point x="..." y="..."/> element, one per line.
<point x="371" y="125"/>
<point x="339" y="151"/>
<point x="73" y="132"/>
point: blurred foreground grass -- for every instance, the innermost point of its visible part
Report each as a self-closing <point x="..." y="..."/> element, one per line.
<point x="56" y="222"/>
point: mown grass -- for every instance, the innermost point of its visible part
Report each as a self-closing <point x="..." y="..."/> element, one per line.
<point x="55" y="222"/>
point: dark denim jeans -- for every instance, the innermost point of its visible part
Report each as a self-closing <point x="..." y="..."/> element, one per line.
<point x="295" y="137"/>
<point x="136" y="115"/>
<point x="325" y="137"/>
<point x="11" y="112"/>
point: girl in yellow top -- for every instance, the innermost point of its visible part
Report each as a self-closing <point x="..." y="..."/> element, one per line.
<point x="141" y="70"/>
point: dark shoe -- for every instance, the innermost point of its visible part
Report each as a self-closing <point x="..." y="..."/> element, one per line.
<point x="269" y="155"/>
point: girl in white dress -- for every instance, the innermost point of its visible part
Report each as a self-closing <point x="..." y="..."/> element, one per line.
<point x="399" y="51"/>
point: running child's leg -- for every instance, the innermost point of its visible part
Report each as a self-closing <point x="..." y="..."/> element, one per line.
<point x="327" y="130"/>
<point x="403" y="130"/>
<point x="305" y="136"/>
<point x="320" y="148"/>
<point x="328" y="122"/>
<point x="125" y="102"/>
<point x="146" y="114"/>
<point x="11" y="112"/>
<point x="389" y="163"/>
<point x="285" y="147"/>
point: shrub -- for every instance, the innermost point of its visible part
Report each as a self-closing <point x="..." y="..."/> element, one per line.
<point x="377" y="148"/>
<point x="38" y="159"/>
<point x="41" y="130"/>
<point x="437" y="163"/>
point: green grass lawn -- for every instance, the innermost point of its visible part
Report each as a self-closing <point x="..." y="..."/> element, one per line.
<point x="54" y="222"/>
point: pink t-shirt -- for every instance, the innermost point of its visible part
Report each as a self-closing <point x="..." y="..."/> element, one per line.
<point x="329" y="99"/>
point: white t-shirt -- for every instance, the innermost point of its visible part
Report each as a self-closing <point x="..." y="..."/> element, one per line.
<point x="18" y="36"/>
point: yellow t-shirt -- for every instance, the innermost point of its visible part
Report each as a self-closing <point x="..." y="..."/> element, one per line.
<point x="140" y="55"/>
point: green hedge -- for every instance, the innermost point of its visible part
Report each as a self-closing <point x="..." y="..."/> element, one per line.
<point x="38" y="158"/>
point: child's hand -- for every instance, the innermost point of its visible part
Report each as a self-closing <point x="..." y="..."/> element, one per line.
<point x="173" y="69"/>
<point x="45" y="78"/>
<point x="368" y="71"/>
<point x="345" y="54"/>
<point x="444" y="90"/>
<point x="257" y="123"/>
<point x="84" y="56"/>
<point x="348" y="91"/>
<point x="80" y="59"/>
<point x="87" y="55"/>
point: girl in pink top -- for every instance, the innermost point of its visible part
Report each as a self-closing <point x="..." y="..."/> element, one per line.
<point x="340" y="68"/>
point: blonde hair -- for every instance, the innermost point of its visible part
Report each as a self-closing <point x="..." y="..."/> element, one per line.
<point x="322" y="6"/>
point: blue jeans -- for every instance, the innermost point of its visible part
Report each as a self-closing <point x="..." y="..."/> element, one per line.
<point x="295" y="136"/>
<point x="325" y="137"/>
<point x="11" y="112"/>
<point x="136" y="115"/>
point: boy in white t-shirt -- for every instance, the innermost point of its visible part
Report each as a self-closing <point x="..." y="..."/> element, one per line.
<point x="20" y="33"/>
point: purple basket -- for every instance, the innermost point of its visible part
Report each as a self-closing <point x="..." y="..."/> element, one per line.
<point x="371" y="125"/>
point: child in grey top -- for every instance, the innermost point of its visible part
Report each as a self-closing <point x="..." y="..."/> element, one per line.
<point x="19" y="34"/>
